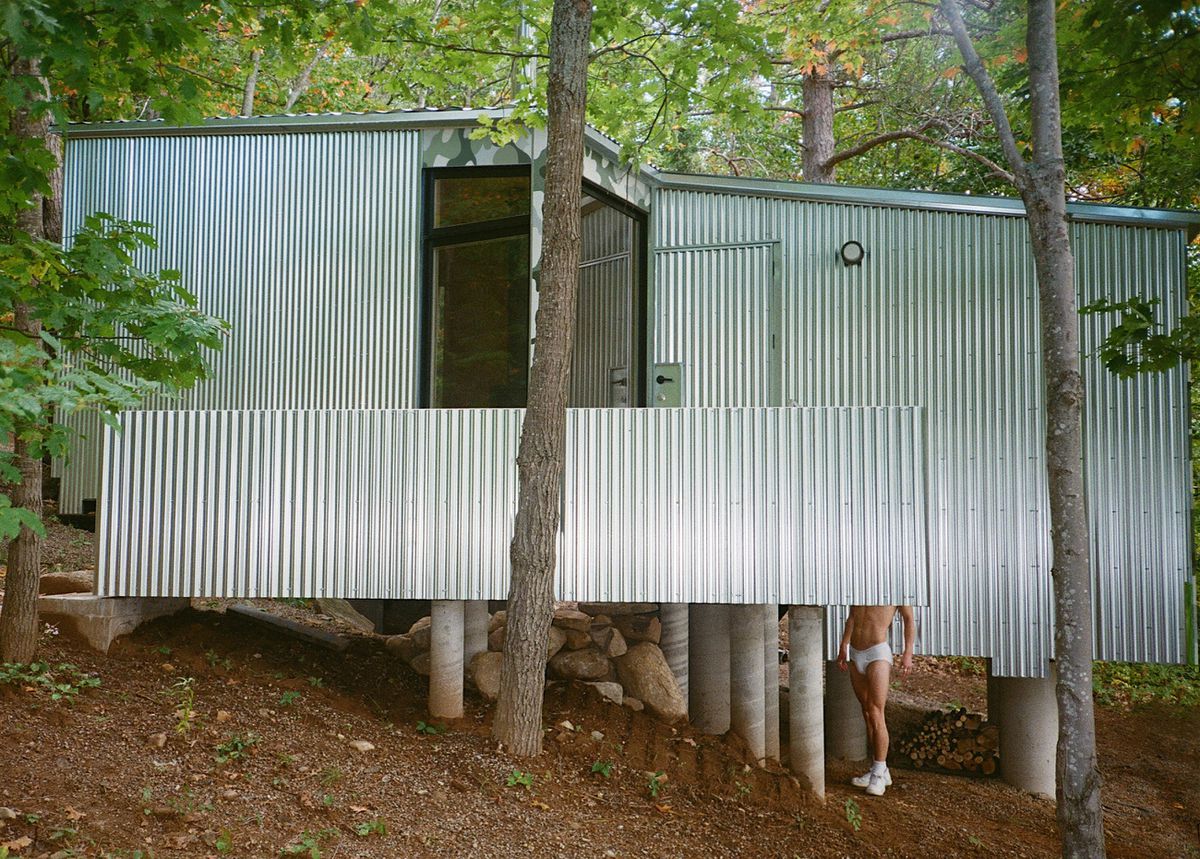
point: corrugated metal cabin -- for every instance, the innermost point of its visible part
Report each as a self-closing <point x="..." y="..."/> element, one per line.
<point x="757" y="421"/>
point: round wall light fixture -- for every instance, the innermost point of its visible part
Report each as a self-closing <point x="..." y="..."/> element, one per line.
<point x="853" y="253"/>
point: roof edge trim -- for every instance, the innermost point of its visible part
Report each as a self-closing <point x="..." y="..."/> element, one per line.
<point x="928" y="200"/>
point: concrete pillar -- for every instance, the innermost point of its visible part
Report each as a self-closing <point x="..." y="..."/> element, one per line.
<point x="708" y="667"/>
<point x="475" y="630"/>
<point x="845" y="727"/>
<point x="746" y="717"/>
<point x="1028" y="719"/>
<point x="674" y="641"/>
<point x="770" y="615"/>
<point x="806" y="694"/>
<point x="446" y="659"/>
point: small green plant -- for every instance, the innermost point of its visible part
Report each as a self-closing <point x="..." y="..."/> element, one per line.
<point x="331" y="776"/>
<point x="236" y="747"/>
<point x="215" y="660"/>
<point x="294" y="602"/>
<point x="328" y="800"/>
<point x="853" y="814"/>
<point x="430" y="728"/>
<point x="743" y="789"/>
<point x="604" y="768"/>
<point x="184" y="693"/>
<point x="288" y="698"/>
<point x="163" y="649"/>
<point x="656" y="783"/>
<point x="371" y="827"/>
<point x="316" y="682"/>
<point x="974" y="842"/>
<point x="1128" y="684"/>
<point x="518" y="778"/>
<point x="224" y="842"/>
<point x="308" y="842"/>
<point x="63" y="681"/>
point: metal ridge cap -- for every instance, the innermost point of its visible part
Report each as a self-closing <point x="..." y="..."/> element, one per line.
<point x="932" y="200"/>
<point x="287" y="122"/>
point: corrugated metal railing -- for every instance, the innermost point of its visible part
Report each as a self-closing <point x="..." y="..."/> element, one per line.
<point x="688" y="505"/>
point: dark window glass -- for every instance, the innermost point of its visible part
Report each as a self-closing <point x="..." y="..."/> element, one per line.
<point x="470" y="199"/>
<point x="481" y="324"/>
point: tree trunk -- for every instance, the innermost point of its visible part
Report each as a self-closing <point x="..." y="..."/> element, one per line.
<point x="518" y="722"/>
<point x="1043" y="188"/>
<point x="18" y="617"/>
<point x="248" y="91"/>
<point x="1080" y="816"/>
<point x="817" y="92"/>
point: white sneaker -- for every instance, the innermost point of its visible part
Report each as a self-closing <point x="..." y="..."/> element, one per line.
<point x="864" y="780"/>
<point x="878" y="784"/>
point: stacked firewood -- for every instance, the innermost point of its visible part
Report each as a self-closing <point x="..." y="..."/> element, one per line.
<point x="954" y="740"/>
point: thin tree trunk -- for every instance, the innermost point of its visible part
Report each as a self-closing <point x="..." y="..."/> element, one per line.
<point x="302" y="82"/>
<point x="817" y="91"/>
<point x="1043" y="188"/>
<point x="1080" y="816"/>
<point x="518" y="721"/>
<point x="18" y="617"/>
<point x="251" y="84"/>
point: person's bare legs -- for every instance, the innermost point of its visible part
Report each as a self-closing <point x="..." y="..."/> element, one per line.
<point x="862" y="692"/>
<point x="871" y="690"/>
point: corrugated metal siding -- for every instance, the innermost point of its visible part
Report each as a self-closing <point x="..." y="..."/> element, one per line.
<point x="1138" y="471"/>
<point x="714" y="313"/>
<point x="943" y="314"/>
<point x="742" y="505"/>
<point x="603" y="315"/>
<point x="308" y="244"/>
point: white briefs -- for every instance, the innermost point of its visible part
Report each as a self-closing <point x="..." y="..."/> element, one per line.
<point x="874" y="653"/>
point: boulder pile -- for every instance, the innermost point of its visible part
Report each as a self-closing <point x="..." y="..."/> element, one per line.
<point x="612" y="647"/>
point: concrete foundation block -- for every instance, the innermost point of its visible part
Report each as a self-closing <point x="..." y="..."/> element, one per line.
<point x="674" y="642"/>
<point x="446" y="659"/>
<point x="101" y="620"/>
<point x="747" y="705"/>
<point x="806" y="643"/>
<point x="708" y="668"/>
<point x="845" y="727"/>
<point x="1027" y="712"/>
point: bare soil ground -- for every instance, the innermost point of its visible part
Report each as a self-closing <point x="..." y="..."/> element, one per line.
<point x="89" y="778"/>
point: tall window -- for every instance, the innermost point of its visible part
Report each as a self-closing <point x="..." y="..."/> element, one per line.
<point x="478" y="239"/>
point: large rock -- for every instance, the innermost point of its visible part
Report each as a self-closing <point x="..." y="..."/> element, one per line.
<point x="77" y="582"/>
<point x="639" y="627"/>
<point x="611" y="692"/>
<point x="497" y="620"/>
<point x="586" y="664"/>
<point x="403" y="646"/>
<point x="496" y="638"/>
<point x="421" y="633"/>
<point x="646" y="676"/>
<point x="420" y="664"/>
<point x="568" y="618"/>
<point x="484" y="672"/>
<point x="341" y="610"/>
<point x="555" y="642"/>
<point x="577" y="639"/>
<point x="609" y="640"/>
<point x="614" y="609"/>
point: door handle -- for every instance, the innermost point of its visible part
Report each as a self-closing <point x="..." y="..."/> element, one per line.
<point x="662" y="380"/>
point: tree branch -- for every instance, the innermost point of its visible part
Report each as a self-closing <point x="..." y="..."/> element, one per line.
<point x="302" y="81"/>
<point x="991" y="98"/>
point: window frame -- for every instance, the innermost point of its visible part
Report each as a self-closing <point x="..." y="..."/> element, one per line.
<point x="433" y="238"/>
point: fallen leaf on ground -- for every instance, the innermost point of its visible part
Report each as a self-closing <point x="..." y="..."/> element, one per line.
<point x="17" y="843"/>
